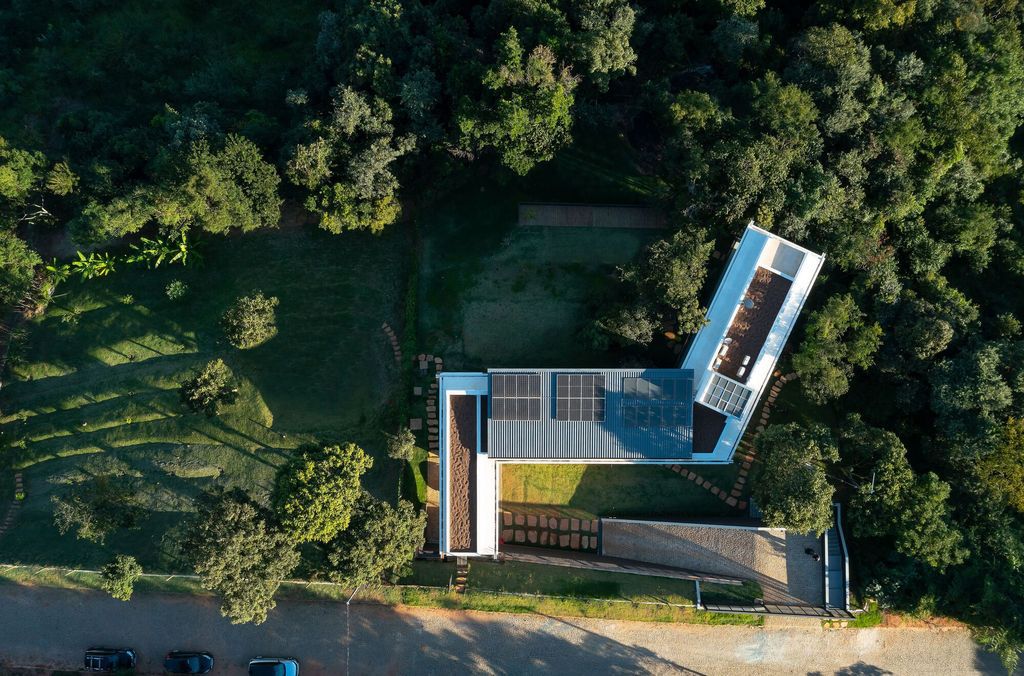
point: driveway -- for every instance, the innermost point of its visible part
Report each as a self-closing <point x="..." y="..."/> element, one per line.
<point x="51" y="627"/>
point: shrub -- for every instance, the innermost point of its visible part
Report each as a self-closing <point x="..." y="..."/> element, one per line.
<point x="127" y="299"/>
<point x="251" y="321"/>
<point x="177" y="290"/>
<point x="402" y="446"/>
<point x="120" y="575"/>
<point x="210" y="388"/>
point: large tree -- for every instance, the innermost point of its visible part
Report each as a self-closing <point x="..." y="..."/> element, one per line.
<point x="793" y="490"/>
<point x="525" y="108"/>
<point x="316" y="490"/>
<point x="379" y="545"/>
<point x="239" y="554"/>
<point x="838" y="338"/>
<point x="345" y="162"/>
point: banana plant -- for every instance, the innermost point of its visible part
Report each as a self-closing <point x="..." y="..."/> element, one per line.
<point x="154" y="252"/>
<point x="58" y="272"/>
<point x="95" y="265"/>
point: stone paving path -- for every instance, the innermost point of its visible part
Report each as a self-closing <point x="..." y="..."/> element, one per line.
<point x="424" y="362"/>
<point x="559" y="532"/>
<point x="395" y="347"/>
<point x="15" y="506"/>
<point x="746" y="454"/>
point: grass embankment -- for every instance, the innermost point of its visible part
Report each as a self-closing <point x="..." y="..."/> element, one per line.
<point x="94" y="391"/>
<point x="558" y="592"/>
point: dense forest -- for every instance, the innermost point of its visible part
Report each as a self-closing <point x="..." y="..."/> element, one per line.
<point x="881" y="132"/>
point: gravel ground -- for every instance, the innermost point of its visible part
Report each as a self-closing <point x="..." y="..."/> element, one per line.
<point x="51" y="627"/>
<point x="462" y="432"/>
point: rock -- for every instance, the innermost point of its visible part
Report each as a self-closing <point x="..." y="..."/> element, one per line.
<point x="563" y="524"/>
<point x="731" y="502"/>
<point x="532" y="536"/>
<point x="575" y="541"/>
<point x="531" y="520"/>
<point x="415" y="424"/>
<point x="506" y="518"/>
<point x="520" y="520"/>
<point x="575" y="524"/>
<point x="563" y="540"/>
<point x="520" y="536"/>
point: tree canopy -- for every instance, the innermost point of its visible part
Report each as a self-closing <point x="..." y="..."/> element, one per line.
<point x="316" y="491"/>
<point x="239" y="555"/>
<point x="793" y="491"/>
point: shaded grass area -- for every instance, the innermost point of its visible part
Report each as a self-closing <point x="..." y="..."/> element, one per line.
<point x="494" y="294"/>
<point x="94" y="390"/>
<point x="648" y="491"/>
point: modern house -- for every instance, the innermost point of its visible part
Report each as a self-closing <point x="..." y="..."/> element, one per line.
<point x="694" y="414"/>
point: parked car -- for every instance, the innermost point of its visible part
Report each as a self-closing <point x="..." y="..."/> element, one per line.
<point x="274" y="666"/>
<point x="109" y="660"/>
<point x="188" y="662"/>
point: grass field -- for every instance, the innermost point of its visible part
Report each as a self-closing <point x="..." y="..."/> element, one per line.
<point x="94" y="390"/>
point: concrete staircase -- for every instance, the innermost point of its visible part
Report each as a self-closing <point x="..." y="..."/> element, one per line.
<point x="836" y="568"/>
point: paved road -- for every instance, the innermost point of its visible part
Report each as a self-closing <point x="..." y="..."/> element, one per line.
<point x="51" y="627"/>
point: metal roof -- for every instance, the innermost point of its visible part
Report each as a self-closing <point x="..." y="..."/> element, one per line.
<point x="618" y="437"/>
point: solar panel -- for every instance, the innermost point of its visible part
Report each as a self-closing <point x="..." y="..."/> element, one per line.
<point x="580" y="396"/>
<point x="515" y="396"/>
<point x="657" y="402"/>
<point x="727" y="396"/>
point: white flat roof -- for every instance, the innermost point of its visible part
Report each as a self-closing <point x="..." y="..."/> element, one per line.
<point x="757" y="248"/>
<point x="486" y="477"/>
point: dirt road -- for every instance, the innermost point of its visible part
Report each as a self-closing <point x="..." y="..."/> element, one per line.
<point x="52" y="627"/>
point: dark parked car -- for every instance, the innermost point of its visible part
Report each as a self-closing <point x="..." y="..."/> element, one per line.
<point x="188" y="662"/>
<point x="274" y="666"/>
<point x="109" y="660"/>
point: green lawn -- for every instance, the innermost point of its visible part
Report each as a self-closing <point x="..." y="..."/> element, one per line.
<point x="493" y="294"/>
<point x="94" y="390"/>
<point x="614" y="490"/>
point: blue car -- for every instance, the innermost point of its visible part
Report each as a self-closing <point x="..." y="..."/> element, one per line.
<point x="187" y="662"/>
<point x="274" y="666"/>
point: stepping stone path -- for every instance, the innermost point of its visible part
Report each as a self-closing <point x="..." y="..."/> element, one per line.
<point x="746" y="455"/>
<point x="461" y="575"/>
<point x="15" y="506"/>
<point x="550" y="531"/>
<point x="395" y="347"/>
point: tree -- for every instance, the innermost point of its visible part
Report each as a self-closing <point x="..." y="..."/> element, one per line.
<point x="837" y="339"/>
<point x="209" y="388"/>
<point x="17" y="267"/>
<point x="250" y="321"/>
<point x="879" y="503"/>
<point x="315" y="492"/>
<point x="345" y="163"/>
<point x="925" y="531"/>
<point x="1002" y="471"/>
<point x="220" y="190"/>
<point x="402" y="445"/>
<point x="379" y="545"/>
<point x="96" y="509"/>
<point x="20" y="172"/>
<point x="627" y="325"/>
<point x="120" y="575"/>
<point x="239" y="555"/>
<point x="606" y="27"/>
<point x="102" y="221"/>
<point x="525" y="110"/>
<point x="793" y="491"/>
<point x="672" y="274"/>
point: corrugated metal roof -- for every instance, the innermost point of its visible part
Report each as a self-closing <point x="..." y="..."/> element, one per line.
<point x="611" y="439"/>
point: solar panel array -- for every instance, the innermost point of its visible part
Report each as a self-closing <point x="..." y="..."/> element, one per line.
<point x="515" y="396"/>
<point x="580" y="396"/>
<point x="727" y="396"/>
<point x="657" y="402"/>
